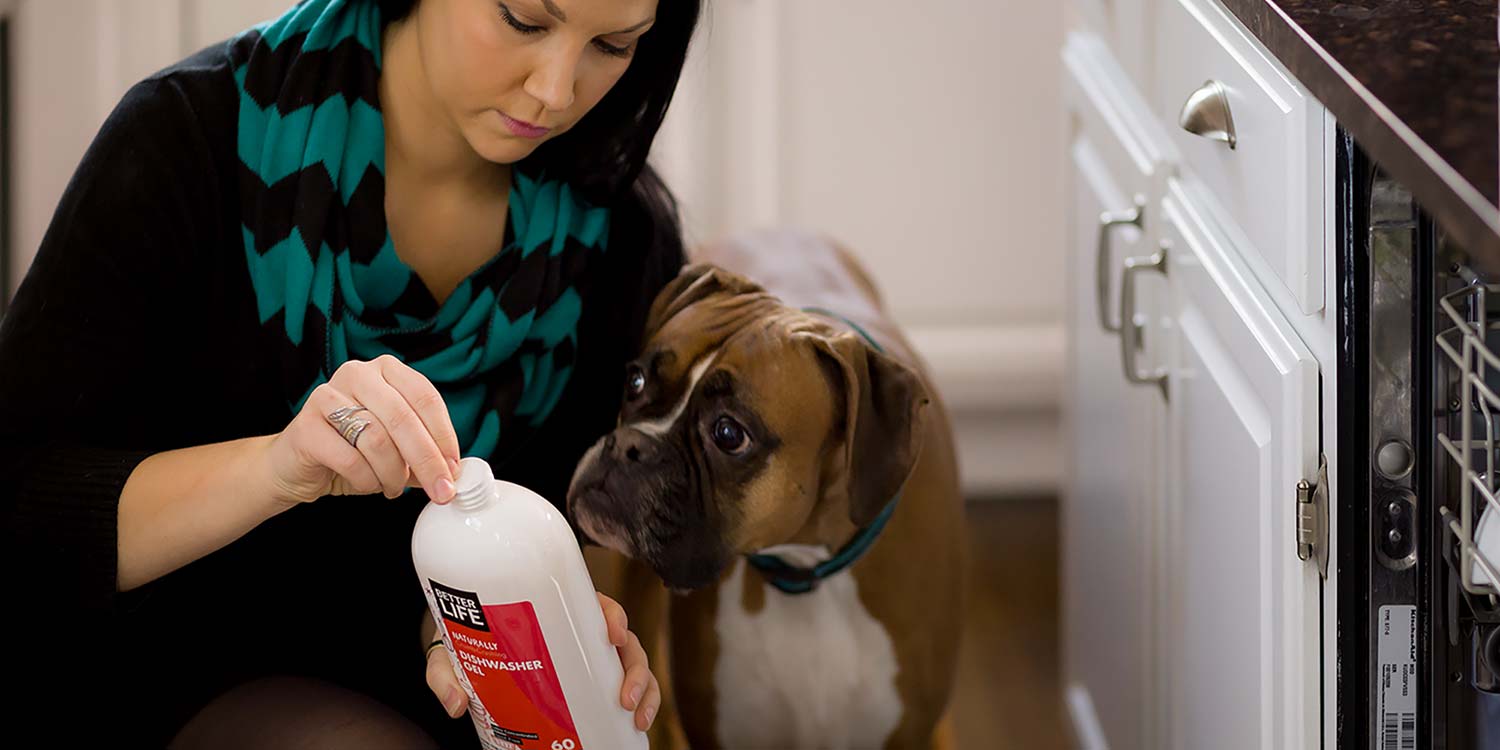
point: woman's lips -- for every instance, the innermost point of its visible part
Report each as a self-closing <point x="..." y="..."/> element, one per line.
<point x="522" y="128"/>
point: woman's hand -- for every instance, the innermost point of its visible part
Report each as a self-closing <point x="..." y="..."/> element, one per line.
<point x="640" y="691"/>
<point x="409" y="441"/>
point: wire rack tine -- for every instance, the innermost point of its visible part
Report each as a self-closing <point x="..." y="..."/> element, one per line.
<point x="1454" y="451"/>
<point x="1466" y="492"/>
<point x="1474" y="373"/>
<point x="1472" y="557"/>
<point x="1473" y="358"/>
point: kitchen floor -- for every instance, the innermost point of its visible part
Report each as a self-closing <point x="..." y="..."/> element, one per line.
<point x="1008" y="693"/>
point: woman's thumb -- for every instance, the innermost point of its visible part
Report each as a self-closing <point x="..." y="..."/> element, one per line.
<point x="444" y="683"/>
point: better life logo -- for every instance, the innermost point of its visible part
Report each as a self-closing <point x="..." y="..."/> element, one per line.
<point x="461" y="607"/>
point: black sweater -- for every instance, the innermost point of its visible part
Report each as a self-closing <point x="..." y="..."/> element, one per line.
<point x="135" y="332"/>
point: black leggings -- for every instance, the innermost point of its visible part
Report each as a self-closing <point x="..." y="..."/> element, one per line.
<point x="303" y="712"/>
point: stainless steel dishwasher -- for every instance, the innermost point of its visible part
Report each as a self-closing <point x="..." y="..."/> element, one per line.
<point x="1418" y="529"/>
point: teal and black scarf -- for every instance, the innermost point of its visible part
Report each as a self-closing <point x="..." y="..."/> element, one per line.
<point x="328" y="283"/>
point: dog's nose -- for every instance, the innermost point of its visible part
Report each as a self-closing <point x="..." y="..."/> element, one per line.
<point x="627" y="446"/>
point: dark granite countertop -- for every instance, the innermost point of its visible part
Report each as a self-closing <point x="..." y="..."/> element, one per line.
<point x="1417" y="83"/>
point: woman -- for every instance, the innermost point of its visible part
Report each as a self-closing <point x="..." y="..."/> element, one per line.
<point x="321" y="261"/>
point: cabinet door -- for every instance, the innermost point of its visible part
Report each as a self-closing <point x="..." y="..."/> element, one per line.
<point x="1243" y="616"/>
<point x="1129" y="28"/>
<point x="1109" y="504"/>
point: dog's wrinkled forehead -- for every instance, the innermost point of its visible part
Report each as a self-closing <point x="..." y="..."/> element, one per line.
<point x="707" y="308"/>
<point x="714" y="337"/>
<point x="695" y="315"/>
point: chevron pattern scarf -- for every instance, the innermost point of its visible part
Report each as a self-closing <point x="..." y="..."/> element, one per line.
<point x="329" y="286"/>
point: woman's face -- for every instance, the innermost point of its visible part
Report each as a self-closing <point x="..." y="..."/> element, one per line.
<point x="511" y="74"/>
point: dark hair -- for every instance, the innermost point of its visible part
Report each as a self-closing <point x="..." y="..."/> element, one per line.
<point x="603" y="157"/>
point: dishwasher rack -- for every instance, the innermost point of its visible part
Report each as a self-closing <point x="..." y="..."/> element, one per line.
<point x="1472" y="369"/>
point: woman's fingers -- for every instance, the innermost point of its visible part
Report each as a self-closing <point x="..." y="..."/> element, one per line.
<point x="614" y="617"/>
<point x="397" y="443"/>
<point x="403" y="437"/>
<point x="425" y="400"/>
<point x="379" y="450"/>
<point x="353" y="474"/>
<point x="646" y="714"/>
<point x="444" y="682"/>
<point x="640" y="691"/>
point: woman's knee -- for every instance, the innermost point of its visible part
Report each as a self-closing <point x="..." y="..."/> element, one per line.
<point x="298" y="712"/>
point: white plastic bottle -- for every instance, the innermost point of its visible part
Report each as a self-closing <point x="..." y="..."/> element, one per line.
<point x="514" y="602"/>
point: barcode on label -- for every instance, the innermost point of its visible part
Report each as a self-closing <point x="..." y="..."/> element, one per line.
<point x="1400" y="732"/>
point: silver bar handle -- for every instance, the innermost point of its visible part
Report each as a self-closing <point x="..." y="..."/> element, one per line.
<point x="1109" y="220"/>
<point x="1129" y="332"/>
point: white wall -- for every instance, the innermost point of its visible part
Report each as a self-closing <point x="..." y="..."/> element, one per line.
<point x="74" y="59"/>
<point x="925" y="135"/>
<point x="212" y="20"/>
<point x="928" y="137"/>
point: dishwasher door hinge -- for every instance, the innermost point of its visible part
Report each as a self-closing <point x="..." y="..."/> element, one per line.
<point x="1312" y="519"/>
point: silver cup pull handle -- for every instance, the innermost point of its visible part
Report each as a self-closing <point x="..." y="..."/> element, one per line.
<point x="1130" y="333"/>
<point x="1108" y="221"/>
<point x="1206" y="113"/>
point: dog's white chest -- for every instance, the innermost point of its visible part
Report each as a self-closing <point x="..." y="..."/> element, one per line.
<point x="808" y="671"/>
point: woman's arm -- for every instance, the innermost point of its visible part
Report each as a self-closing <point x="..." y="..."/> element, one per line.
<point x="81" y="349"/>
<point x="180" y="505"/>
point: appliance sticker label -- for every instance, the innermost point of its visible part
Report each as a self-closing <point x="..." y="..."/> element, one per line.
<point x="1396" y="633"/>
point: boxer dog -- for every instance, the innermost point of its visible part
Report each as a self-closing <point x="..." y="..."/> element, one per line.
<point x="781" y="464"/>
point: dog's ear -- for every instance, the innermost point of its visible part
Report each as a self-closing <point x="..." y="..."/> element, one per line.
<point x="695" y="283"/>
<point x="883" y="417"/>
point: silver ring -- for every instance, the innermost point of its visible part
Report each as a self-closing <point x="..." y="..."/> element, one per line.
<point x="339" y="415"/>
<point x="347" y="424"/>
<point x="352" y="430"/>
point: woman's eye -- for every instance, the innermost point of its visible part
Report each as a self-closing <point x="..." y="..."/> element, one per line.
<point x="730" y="436"/>
<point x="526" y="28"/>
<point x="613" y="51"/>
<point x="515" y="23"/>
<point x="635" y="381"/>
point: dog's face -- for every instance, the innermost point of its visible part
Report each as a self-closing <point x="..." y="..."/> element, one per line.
<point x="744" y="421"/>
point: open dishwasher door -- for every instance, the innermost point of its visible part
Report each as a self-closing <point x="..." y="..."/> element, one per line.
<point x="1418" y="522"/>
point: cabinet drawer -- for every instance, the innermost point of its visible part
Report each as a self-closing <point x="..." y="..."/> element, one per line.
<point x="1109" y="109"/>
<point x="1269" y="187"/>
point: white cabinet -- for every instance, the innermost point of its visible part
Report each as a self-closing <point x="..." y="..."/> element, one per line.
<point x="1127" y="26"/>
<point x="1242" y="617"/>
<point x="1110" y="509"/>
<point x="1189" y="620"/>
<point x="1268" y="185"/>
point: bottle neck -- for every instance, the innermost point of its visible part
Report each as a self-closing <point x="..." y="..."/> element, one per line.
<point x="472" y="500"/>
<point x="475" y="485"/>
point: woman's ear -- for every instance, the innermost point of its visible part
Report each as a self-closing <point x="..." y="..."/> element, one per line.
<point x="884" y="415"/>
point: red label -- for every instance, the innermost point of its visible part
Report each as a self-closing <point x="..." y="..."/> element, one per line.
<point x="505" y="659"/>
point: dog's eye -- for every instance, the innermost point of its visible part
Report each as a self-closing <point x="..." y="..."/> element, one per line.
<point x="635" y="381"/>
<point x="730" y="436"/>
